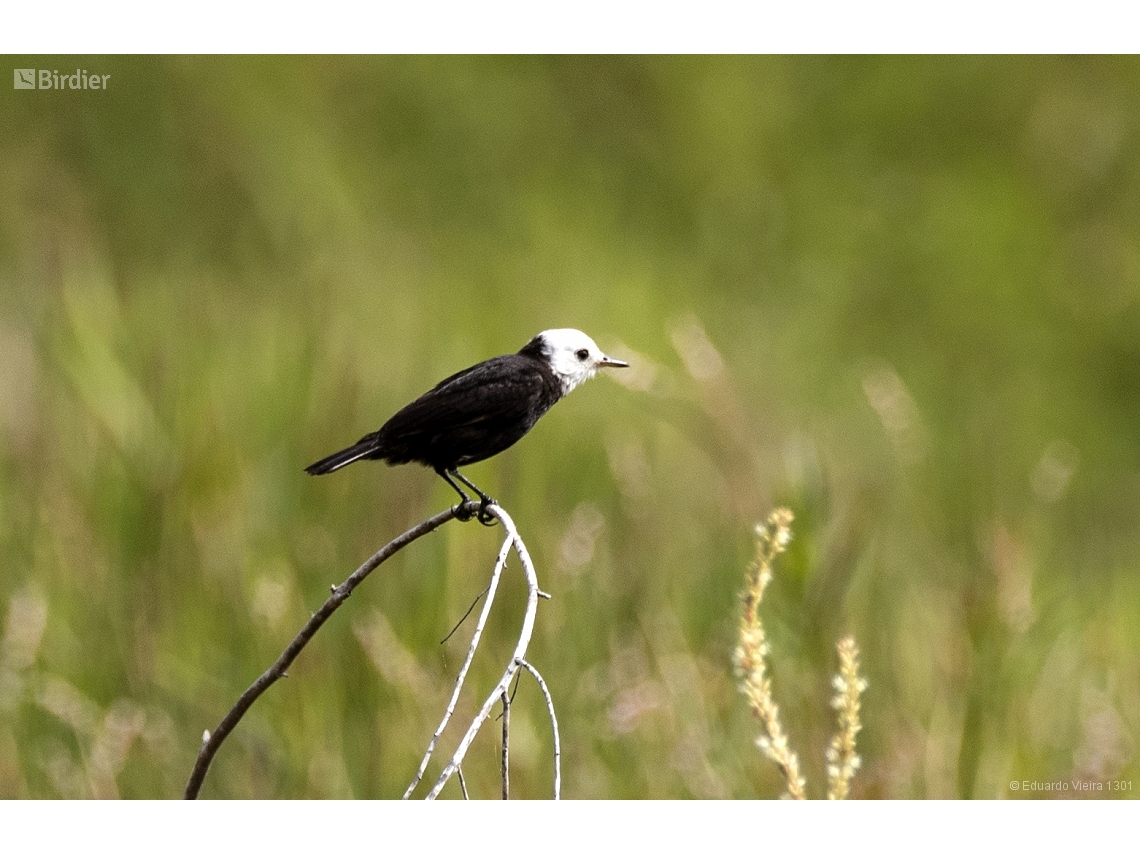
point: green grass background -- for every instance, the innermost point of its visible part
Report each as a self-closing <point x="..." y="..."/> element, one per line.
<point x="899" y="295"/>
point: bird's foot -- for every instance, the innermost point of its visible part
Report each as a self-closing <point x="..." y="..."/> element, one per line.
<point x="484" y="517"/>
<point x="463" y="511"/>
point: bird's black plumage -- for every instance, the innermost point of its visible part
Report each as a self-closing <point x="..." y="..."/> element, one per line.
<point x="466" y="418"/>
<point x="480" y="411"/>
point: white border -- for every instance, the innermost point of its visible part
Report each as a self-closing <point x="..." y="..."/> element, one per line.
<point x="585" y="26"/>
<point x="603" y="827"/>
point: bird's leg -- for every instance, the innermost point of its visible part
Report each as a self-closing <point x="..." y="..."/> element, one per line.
<point x="461" y="512"/>
<point x="484" y="499"/>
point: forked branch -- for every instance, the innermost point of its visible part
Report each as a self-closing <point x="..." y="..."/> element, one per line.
<point x="211" y="742"/>
<point x="512" y="541"/>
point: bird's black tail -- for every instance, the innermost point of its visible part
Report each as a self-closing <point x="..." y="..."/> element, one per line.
<point x="344" y="457"/>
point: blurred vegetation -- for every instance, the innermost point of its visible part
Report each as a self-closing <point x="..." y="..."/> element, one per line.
<point x="899" y="295"/>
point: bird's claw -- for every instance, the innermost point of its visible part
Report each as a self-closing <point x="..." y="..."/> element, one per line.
<point x="484" y="517"/>
<point x="462" y="512"/>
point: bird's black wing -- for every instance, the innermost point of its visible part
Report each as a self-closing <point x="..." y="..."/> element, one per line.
<point x="471" y="415"/>
<point x="503" y="387"/>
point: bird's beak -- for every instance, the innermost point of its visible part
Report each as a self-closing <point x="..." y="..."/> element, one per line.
<point x="610" y="362"/>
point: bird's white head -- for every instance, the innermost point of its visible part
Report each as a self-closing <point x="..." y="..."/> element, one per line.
<point x="573" y="356"/>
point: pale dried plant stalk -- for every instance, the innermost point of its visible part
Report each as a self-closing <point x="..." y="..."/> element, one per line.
<point x="842" y="761"/>
<point x="772" y="538"/>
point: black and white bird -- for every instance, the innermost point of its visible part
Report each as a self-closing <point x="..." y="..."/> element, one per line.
<point x="481" y="411"/>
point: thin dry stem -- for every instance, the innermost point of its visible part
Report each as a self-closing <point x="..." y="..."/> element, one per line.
<point x="513" y="665"/>
<point x="506" y="756"/>
<point x="842" y="761"/>
<point x="492" y="588"/>
<point x="553" y="726"/>
<point x="772" y="538"/>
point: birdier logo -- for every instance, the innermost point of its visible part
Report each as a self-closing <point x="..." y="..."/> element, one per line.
<point x="45" y="78"/>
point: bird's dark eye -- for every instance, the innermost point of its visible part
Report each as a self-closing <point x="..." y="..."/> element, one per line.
<point x="583" y="355"/>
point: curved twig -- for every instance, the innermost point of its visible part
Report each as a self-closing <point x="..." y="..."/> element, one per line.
<point x="553" y="726"/>
<point x="506" y="755"/>
<point x="517" y="657"/>
<point x="211" y="742"/>
<point x="496" y="574"/>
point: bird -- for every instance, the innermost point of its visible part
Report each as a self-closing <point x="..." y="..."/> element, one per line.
<point x="479" y="412"/>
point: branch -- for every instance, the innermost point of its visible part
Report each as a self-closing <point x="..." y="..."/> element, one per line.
<point x="462" y="785"/>
<point x="506" y="759"/>
<point x="527" y="628"/>
<point x="211" y="742"/>
<point x="492" y="587"/>
<point x="553" y="725"/>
